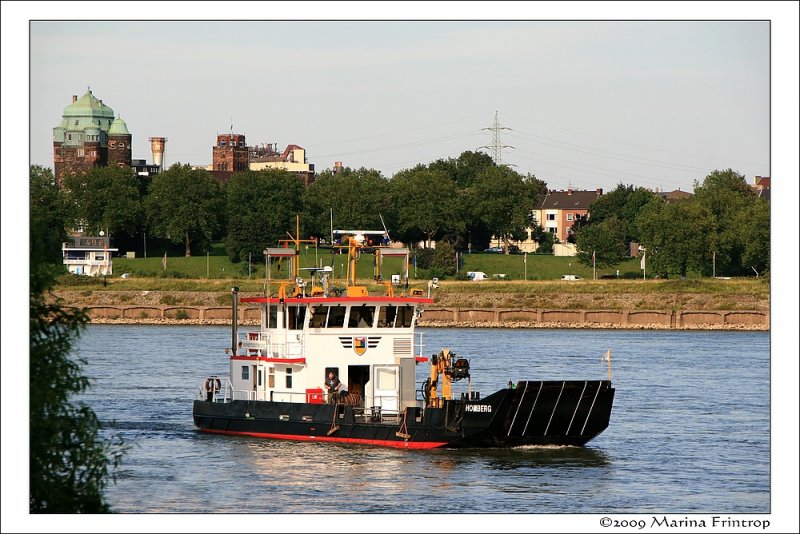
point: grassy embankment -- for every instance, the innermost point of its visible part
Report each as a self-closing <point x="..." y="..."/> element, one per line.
<point x="541" y="290"/>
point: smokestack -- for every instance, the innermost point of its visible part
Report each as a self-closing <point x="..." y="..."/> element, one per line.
<point x="157" y="147"/>
<point x="74" y="98"/>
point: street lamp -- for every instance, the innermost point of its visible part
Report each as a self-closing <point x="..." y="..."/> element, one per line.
<point x="643" y="263"/>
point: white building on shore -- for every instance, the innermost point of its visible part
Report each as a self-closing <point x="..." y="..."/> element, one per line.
<point x="90" y="256"/>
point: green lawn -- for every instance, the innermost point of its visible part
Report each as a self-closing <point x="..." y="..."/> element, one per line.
<point x="539" y="267"/>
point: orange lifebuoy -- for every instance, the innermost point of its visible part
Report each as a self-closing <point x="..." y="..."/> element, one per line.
<point x="213" y="384"/>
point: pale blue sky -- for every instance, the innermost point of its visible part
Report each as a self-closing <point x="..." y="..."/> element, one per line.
<point x="588" y="104"/>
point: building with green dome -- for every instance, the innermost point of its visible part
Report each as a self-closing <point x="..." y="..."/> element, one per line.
<point x="89" y="135"/>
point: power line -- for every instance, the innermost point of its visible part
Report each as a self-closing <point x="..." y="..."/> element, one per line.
<point x="633" y="144"/>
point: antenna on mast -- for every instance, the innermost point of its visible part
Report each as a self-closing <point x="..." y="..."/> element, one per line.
<point x="384" y="227"/>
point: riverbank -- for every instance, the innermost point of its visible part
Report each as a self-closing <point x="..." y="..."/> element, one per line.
<point x="619" y="304"/>
<point x="464" y="318"/>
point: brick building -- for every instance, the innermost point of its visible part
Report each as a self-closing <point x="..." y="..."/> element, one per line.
<point x="229" y="155"/>
<point x="89" y="136"/>
<point x="557" y="211"/>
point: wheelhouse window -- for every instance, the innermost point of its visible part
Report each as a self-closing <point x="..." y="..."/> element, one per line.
<point x="405" y="314"/>
<point x="273" y="317"/>
<point x="289" y="378"/>
<point x="336" y="317"/>
<point x="361" y="317"/>
<point x="318" y="316"/>
<point x="386" y="316"/>
<point x="245" y="372"/>
<point x="295" y="317"/>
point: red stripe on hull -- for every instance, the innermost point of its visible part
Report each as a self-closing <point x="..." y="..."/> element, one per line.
<point x="377" y="442"/>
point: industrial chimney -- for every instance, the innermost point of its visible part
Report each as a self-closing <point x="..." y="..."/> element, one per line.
<point x="157" y="147"/>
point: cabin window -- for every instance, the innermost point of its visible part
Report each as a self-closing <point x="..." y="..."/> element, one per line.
<point x="318" y="315"/>
<point x="296" y="317"/>
<point x="361" y="317"/>
<point x="273" y="317"/>
<point x="289" y="378"/>
<point x="271" y="377"/>
<point x="405" y="314"/>
<point x="336" y="317"/>
<point x="386" y="316"/>
<point x="259" y="377"/>
<point x="245" y="372"/>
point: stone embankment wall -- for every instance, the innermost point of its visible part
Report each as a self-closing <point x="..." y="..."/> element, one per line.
<point x="455" y="317"/>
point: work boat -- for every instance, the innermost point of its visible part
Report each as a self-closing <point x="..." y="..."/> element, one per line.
<point x="277" y="384"/>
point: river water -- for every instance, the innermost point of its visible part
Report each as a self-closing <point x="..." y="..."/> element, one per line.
<point x="689" y="430"/>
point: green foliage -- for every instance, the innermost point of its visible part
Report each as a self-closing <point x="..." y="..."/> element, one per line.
<point x="606" y="240"/>
<point x="104" y="198"/>
<point x="357" y="198"/>
<point x="677" y="237"/>
<point x="545" y="239"/>
<point x="426" y="205"/>
<point x="622" y="204"/>
<point x="754" y="223"/>
<point x="502" y="200"/>
<point x="261" y="207"/>
<point x="70" y="463"/>
<point x="726" y="195"/>
<point x="48" y="218"/>
<point x="185" y="205"/>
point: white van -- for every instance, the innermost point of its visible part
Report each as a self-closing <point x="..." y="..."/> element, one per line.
<point x="571" y="277"/>
<point x="476" y="276"/>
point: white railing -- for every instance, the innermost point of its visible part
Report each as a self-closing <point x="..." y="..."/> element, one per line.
<point x="418" y="345"/>
<point x="273" y="345"/>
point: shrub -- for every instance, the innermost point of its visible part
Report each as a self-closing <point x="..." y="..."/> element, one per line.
<point x="169" y="300"/>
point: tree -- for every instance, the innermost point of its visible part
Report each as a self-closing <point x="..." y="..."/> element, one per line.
<point x="48" y="218"/>
<point x="606" y="241"/>
<point x="185" y="205"/>
<point x="677" y="236"/>
<point x="726" y="195"/>
<point x="624" y="204"/>
<point x="464" y="169"/>
<point x="104" y="198"/>
<point x="261" y="208"/>
<point x="544" y="238"/>
<point x="503" y="199"/>
<point x="754" y="223"/>
<point x="358" y="198"/>
<point x="70" y="464"/>
<point x="426" y="205"/>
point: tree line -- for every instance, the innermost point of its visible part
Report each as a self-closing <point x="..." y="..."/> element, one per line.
<point x="722" y="229"/>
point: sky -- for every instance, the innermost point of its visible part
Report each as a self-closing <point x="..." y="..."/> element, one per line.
<point x="582" y="104"/>
<point x="658" y="100"/>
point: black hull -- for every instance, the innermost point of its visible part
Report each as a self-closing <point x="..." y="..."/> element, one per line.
<point x="534" y="413"/>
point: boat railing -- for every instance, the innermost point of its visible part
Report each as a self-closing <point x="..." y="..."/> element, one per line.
<point x="273" y="345"/>
<point x="418" y="345"/>
<point x="215" y="389"/>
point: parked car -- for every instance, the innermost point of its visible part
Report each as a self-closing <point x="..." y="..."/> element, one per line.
<point x="514" y="249"/>
<point x="476" y="276"/>
<point x="494" y="250"/>
<point x="571" y="277"/>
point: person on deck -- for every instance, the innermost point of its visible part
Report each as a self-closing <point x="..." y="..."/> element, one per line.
<point x="334" y="386"/>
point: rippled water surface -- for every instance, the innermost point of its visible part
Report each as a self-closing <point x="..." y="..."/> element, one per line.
<point x="689" y="430"/>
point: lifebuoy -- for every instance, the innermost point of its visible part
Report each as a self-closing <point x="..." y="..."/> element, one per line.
<point x="213" y="384"/>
